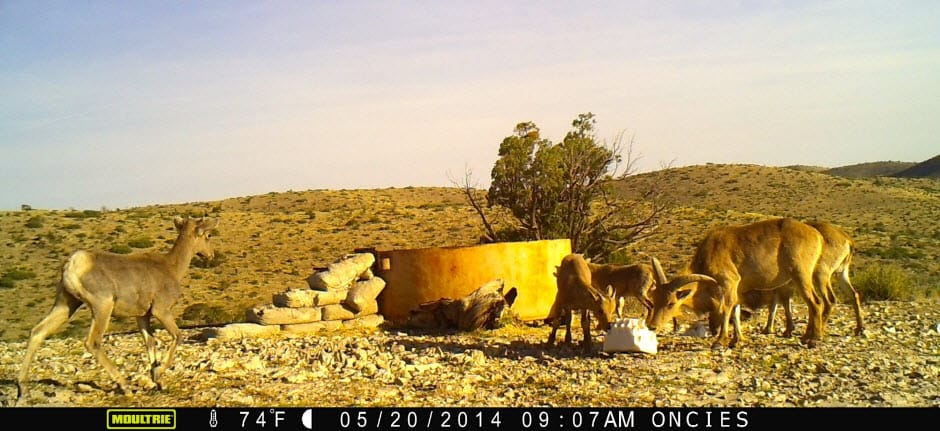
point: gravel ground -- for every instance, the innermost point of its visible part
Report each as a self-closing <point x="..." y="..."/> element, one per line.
<point x="896" y="363"/>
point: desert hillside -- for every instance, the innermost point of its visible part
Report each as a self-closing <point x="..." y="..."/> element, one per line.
<point x="870" y="169"/>
<point x="268" y="243"/>
<point x="926" y="169"/>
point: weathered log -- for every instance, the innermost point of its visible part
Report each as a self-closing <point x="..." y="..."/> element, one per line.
<point x="482" y="308"/>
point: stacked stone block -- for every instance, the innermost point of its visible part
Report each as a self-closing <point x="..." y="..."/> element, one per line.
<point x="342" y="296"/>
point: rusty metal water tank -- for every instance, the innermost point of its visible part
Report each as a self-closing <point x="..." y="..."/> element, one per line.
<point x="416" y="276"/>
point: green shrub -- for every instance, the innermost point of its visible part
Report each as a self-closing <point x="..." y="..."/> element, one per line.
<point x="217" y="259"/>
<point x="202" y="313"/>
<point x="19" y="274"/>
<point x="141" y="242"/>
<point x="897" y="252"/>
<point x="621" y="257"/>
<point x="34" y="222"/>
<point x="880" y="282"/>
<point x="10" y="277"/>
<point x="121" y="249"/>
<point x="83" y="214"/>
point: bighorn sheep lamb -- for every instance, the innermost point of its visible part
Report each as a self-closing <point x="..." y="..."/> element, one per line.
<point x="764" y="255"/>
<point x="139" y="285"/>
<point x="575" y="292"/>
<point x="627" y="280"/>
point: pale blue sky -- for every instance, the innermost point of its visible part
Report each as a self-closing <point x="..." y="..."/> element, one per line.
<point x="122" y="104"/>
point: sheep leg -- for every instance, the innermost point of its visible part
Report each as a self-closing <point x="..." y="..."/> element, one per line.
<point x="586" y="329"/>
<point x="788" y="313"/>
<point x="556" y="321"/>
<point x="147" y="333"/>
<point x="101" y="316"/>
<point x="826" y="295"/>
<point x="728" y="288"/>
<point x="814" y="327"/>
<point x="568" y="319"/>
<point x="736" y="323"/>
<point x="65" y="306"/>
<point x="771" y="316"/>
<point x="169" y="323"/>
<point x="857" y="300"/>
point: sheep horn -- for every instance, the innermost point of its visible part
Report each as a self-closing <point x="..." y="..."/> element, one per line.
<point x="682" y="280"/>
<point x="660" y="274"/>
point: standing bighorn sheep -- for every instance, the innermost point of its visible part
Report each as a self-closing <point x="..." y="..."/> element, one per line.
<point x="576" y="292"/>
<point x="835" y="259"/>
<point x="627" y="280"/>
<point x="764" y="255"/>
<point x="138" y="285"/>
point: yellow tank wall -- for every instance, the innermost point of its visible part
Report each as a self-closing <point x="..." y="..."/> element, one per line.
<point x="416" y="276"/>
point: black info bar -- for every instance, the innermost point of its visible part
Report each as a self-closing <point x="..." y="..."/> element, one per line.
<point x="459" y="418"/>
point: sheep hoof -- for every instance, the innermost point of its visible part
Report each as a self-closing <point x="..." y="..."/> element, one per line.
<point x="810" y="342"/>
<point x="21" y="391"/>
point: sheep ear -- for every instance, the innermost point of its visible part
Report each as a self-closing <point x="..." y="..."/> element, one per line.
<point x="683" y="292"/>
<point x="209" y="224"/>
<point x="179" y="222"/>
<point x="206" y="225"/>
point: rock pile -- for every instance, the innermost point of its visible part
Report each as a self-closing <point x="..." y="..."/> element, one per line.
<point x="344" y="295"/>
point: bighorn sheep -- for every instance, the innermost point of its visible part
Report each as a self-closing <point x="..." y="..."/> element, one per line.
<point x="764" y="255"/>
<point x="575" y="292"/>
<point x="627" y="280"/>
<point x="838" y="248"/>
<point x="836" y="258"/>
<point x="139" y="285"/>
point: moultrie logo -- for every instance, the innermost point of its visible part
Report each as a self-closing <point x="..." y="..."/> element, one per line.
<point x="141" y="419"/>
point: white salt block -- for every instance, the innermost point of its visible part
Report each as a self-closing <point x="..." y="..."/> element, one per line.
<point x="630" y="335"/>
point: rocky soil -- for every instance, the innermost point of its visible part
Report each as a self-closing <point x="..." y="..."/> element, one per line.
<point x="896" y="363"/>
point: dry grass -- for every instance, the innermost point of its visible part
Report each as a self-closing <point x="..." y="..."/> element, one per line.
<point x="269" y="243"/>
<point x="892" y="220"/>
